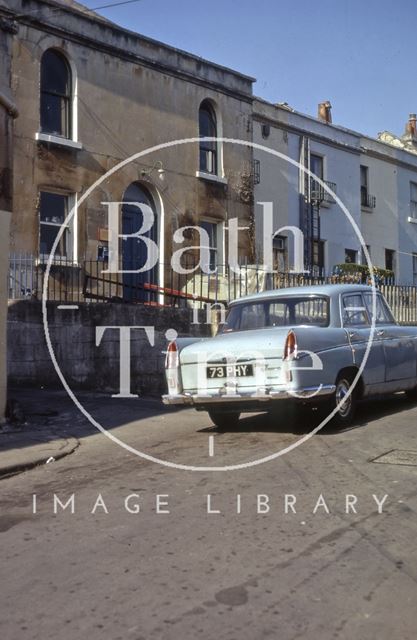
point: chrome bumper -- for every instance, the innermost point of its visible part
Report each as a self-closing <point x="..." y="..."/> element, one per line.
<point x="262" y="397"/>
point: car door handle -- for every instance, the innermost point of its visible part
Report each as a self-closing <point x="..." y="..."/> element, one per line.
<point x="353" y="334"/>
<point x="380" y="333"/>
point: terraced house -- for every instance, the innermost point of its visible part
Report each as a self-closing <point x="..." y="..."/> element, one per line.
<point x="375" y="179"/>
<point x="90" y="95"/>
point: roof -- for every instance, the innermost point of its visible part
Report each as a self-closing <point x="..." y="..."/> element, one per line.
<point x="319" y="289"/>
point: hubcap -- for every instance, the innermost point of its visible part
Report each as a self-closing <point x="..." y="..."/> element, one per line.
<point x="341" y="392"/>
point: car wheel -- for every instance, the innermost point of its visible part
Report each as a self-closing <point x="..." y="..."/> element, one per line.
<point x="346" y="410"/>
<point x="224" y="419"/>
<point x="411" y="394"/>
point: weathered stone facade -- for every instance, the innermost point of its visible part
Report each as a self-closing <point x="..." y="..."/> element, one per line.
<point x="128" y="93"/>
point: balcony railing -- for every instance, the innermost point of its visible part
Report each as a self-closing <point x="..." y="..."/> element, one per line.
<point x="318" y="194"/>
<point x="367" y="200"/>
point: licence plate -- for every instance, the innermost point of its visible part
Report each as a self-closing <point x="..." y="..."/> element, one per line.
<point x="230" y="371"/>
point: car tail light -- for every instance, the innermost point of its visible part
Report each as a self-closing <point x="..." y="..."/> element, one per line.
<point x="290" y="349"/>
<point x="171" y="361"/>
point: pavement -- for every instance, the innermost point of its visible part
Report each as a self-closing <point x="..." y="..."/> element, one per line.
<point x="32" y="435"/>
<point x="23" y="449"/>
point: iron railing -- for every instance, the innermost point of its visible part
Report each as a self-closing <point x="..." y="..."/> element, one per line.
<point x="318" y="193"/>
<point x="91" y="282"/>
<point x="367" y="200"/>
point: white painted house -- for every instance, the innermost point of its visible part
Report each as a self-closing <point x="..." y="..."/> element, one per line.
<point x="375" y="180"/>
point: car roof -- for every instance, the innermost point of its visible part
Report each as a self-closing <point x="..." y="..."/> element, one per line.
<point x="312" y="290"/>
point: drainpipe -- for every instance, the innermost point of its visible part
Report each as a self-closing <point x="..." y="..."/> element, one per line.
<point x="9" y="105"/>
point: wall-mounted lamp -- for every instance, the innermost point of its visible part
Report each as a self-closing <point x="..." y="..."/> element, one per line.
<point x="146" y="173"/>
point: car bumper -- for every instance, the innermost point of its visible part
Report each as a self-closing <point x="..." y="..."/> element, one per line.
<point x="260" y="397"/>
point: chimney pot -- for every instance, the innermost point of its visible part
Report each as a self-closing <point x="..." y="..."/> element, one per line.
<point x="411" y="126"/>
<point x="325" y="111"/>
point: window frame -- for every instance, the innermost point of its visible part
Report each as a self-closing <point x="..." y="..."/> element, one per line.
<point x="381" y="300"/>
<point x="205" y="147"/>
<point x="413" y="203"/>
<point x="70" y="140"/>
<point x="216" y="148"/>
<point x="362" y="325"/>
<point x="218" y="247"/>
<point x="392" y="254"/>
<point x="364" y="171"/>
<point x="238" y="307"/>
<point x="65" y="97"/>
<point x="71" y="241"/>
<point x="353" y="251"/>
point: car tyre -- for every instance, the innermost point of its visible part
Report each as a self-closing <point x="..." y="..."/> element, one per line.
<point x="411" y="394"/>
<point x="346" y="411"/>
<point x="224" y="419"/>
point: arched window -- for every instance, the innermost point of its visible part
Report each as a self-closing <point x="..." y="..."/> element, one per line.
<point x="208" y="129"/>
<point x="56" y="93"/>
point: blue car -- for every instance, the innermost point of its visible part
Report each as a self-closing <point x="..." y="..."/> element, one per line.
<point x="305" y="344"/>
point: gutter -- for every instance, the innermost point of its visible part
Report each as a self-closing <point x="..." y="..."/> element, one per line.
<point x="9" y="105"/>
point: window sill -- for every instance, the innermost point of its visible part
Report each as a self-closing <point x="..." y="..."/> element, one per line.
<point x="412" y="220"/>
<point x="210" y="177"/>
<point x="58" y="141"/>
<point x="367" y="209"/>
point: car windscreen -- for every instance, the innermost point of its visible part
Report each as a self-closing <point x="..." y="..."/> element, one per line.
<point x="278" y="312"/>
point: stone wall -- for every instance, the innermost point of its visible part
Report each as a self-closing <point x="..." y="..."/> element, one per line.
<point x="73" y="337"/>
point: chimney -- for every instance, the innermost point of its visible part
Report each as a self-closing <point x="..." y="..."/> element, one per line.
<point x="325" y="112"/>
<point x="411" y="126"/>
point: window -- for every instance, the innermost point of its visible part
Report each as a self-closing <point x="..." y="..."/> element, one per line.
<point x="208" y="129"/>
<point x="383" y="313"/>
<point x="318" y="255"/>
<point x="413" y="200"/>
<point x="56" y="92"/>
<point x="390" y="259"/>
<point x="212" y="230"/>
<point x="316" y="167"/>
<point x="351" y="256"/>
<point x="414" y="268"/>
<point x="364" y="186"/>
<point x="354" y="310"/>
<point x="53" y="210"/>
<point x="280" y="254"/>
<point x="280" y="312"/>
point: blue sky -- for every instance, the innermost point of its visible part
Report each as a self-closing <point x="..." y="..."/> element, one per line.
<point x="359" y="54"/>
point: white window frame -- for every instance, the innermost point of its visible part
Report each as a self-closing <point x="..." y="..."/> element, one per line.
<point x="413" y="202"/>
<point x="72" y="142"/>
<point x="72" y="228"/>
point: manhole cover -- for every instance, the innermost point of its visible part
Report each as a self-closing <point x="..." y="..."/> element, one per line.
<point x="398" y="456"/>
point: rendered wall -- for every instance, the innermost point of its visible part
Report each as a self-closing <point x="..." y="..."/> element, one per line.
<point x="73" y="337"/>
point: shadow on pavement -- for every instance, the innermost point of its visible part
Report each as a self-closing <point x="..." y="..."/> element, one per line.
<point x="302" y="419"/>
<point x="53" y="413"/>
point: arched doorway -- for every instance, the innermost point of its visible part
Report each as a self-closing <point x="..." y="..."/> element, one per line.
<point x="134" y="252"/>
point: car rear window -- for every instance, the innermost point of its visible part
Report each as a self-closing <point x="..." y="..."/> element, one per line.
<point x="279" y="312"/>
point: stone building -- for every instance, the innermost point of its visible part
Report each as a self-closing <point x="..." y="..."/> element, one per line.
<point x="92" y="94"/>
<point x="8" y="114"/>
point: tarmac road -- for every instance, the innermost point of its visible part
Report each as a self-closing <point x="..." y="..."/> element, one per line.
<point x="247" y="570"/>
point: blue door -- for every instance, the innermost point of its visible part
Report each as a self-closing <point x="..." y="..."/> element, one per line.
<point x="137" y="287"/>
